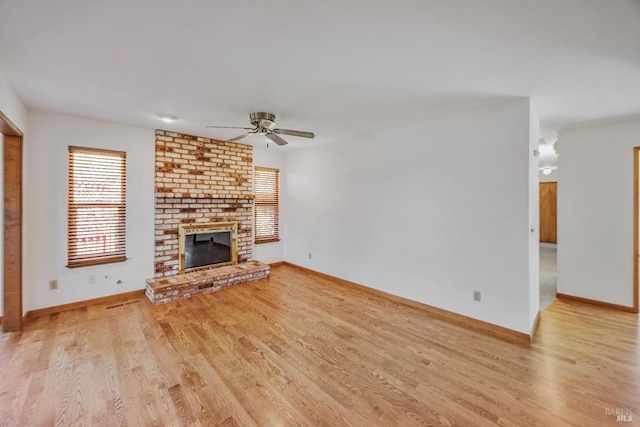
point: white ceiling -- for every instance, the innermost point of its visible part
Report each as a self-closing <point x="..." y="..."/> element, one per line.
<point x="335" y="67"/>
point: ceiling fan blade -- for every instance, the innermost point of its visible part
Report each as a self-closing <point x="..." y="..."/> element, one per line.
<point x="239" y="137"/>
<point x="229" y="127"/>
<point x="275" y="138"/>
<point x="299" y="133"/>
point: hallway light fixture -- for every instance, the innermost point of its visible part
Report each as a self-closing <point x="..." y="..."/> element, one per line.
<point x="546" y="170"/>
<point x="546" y="149"/>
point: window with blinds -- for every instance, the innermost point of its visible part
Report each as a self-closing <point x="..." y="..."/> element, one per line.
<point x="96" y="207"/>
<point x="267" y="204"/>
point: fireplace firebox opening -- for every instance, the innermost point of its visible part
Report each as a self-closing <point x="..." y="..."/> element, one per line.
<point x="204" y="246"/>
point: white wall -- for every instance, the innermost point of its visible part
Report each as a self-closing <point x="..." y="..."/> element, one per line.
<point x="45" y="219"/>
<point x="272" y="252"/>
<point x="534" y="217"/>
<point x="12" y="107"/>
<point x="418" y="212"/>
<point x="595" y="212"/>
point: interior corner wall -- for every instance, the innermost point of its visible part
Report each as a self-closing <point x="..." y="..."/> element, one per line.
<point x="11" y="107"/>
<point x="534" y="218"/>
<point x="429" y="212"/>
<point x="595" y="212"/>
<point x="45" y="209"/>
<point x="274" y="251"/>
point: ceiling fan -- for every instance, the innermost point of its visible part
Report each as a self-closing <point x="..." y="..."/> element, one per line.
<point x="265" y="124"/>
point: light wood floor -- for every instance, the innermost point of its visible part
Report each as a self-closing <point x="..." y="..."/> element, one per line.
<point x="297" y="349"/>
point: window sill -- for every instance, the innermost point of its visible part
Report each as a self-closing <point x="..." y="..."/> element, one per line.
<point x="91" y="262"/>
<point x="259" y="242"/>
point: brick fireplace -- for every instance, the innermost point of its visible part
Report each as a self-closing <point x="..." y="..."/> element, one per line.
<point x="200" y="180"/>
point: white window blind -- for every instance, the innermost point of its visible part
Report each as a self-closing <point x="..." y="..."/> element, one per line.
<point x="96" y="207"/>
<point x="267" y="204"/>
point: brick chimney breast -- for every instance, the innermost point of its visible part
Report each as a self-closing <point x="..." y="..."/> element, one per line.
<point x="200" y="180"/>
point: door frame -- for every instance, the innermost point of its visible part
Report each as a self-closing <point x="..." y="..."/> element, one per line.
<point x="636" y="226"/>
<point x="12" y="225"/>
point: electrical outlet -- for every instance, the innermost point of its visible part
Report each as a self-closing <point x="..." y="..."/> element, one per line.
<point x="92" y="279"/>
<point x="309" y="255"/>
<point x="477" y="296"/>
<point x="53" y="284"/>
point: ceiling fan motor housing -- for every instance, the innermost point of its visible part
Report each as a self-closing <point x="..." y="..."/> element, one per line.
<point x="261" y="119"/>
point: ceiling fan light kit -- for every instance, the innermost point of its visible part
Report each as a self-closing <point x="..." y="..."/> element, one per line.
<point x="265" y="124"/>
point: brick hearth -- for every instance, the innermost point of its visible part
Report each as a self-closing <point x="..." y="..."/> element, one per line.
<point x="167" y="289"/>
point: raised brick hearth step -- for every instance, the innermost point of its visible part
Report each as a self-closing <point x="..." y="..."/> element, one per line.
<point x="165" y="289"/>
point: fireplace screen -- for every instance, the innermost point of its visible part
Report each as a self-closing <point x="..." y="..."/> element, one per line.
<point x="206" y="245"/>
